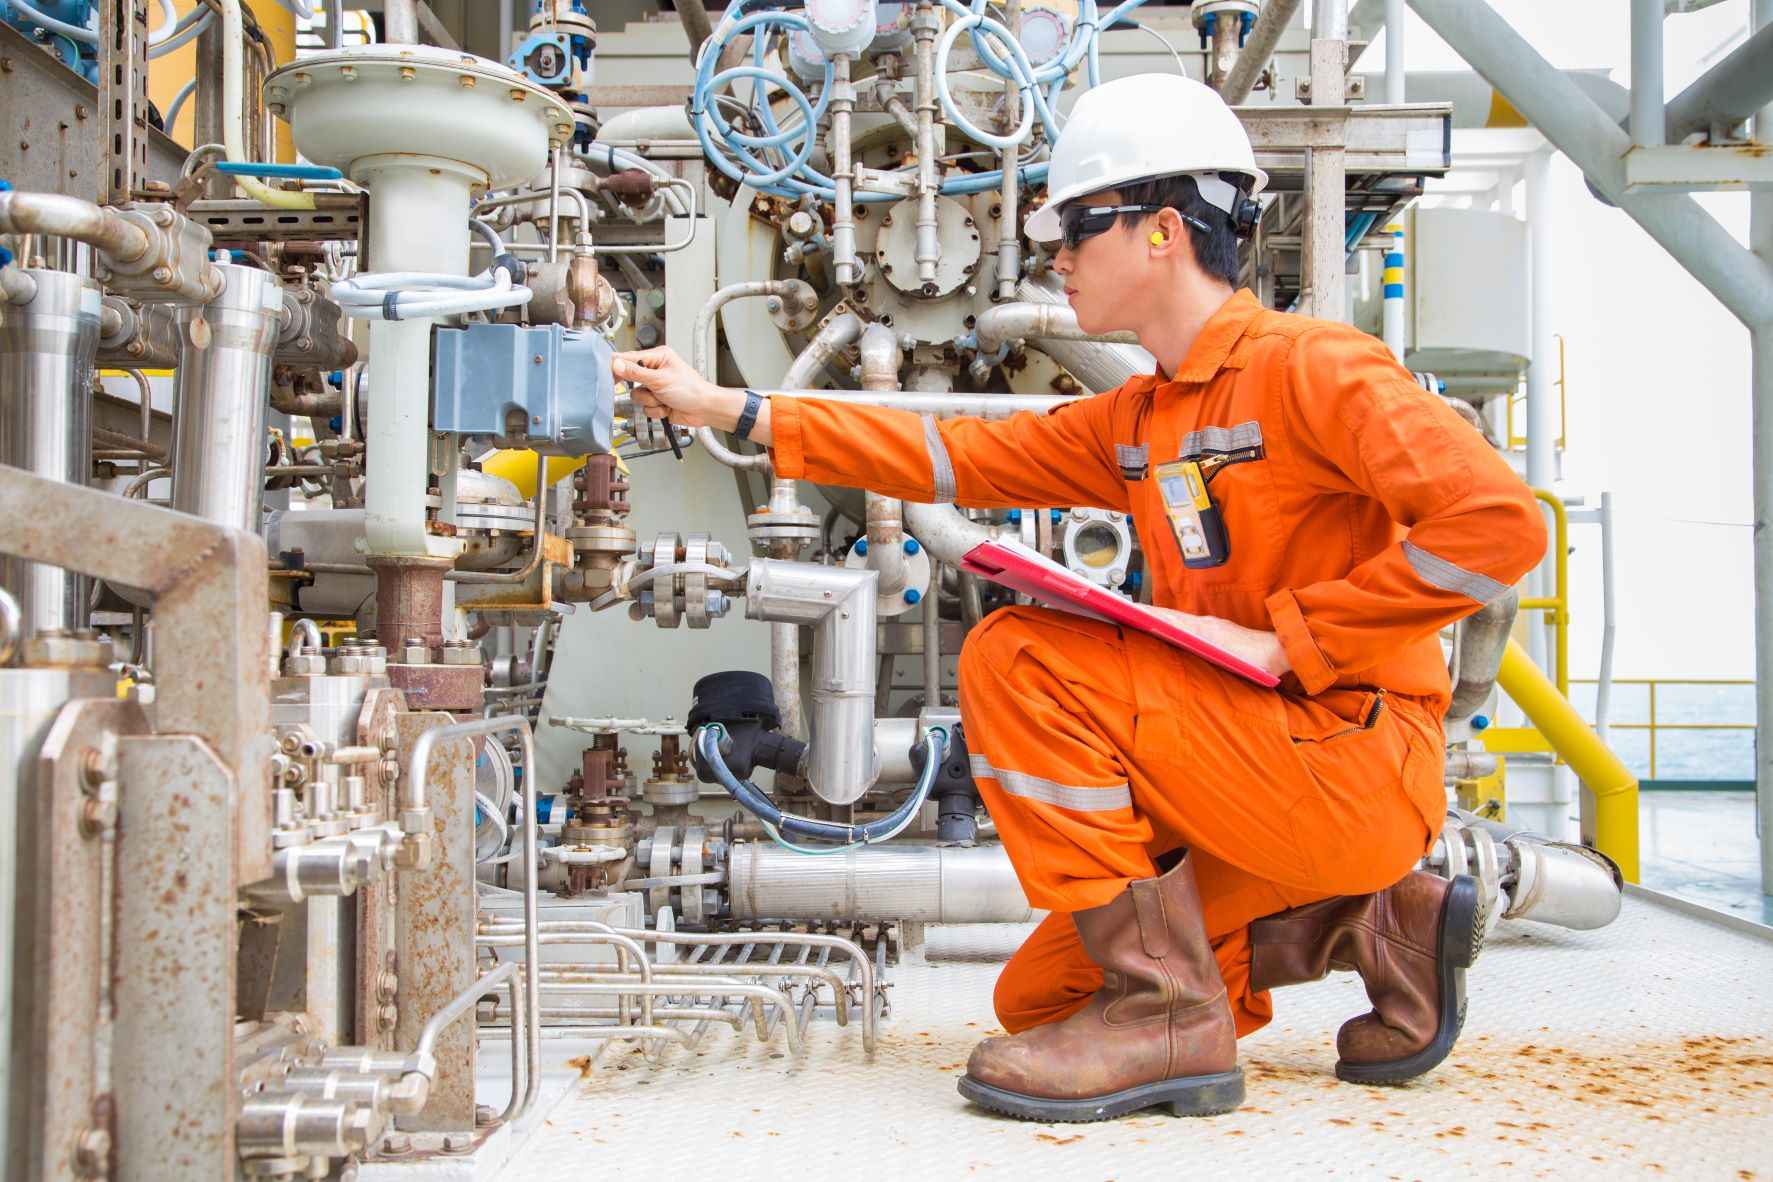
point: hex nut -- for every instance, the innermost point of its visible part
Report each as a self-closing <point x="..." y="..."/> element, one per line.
<point x="304" y="665"/>
<point x="461" y="653"/>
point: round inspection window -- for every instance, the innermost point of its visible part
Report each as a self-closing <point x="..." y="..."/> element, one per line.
<point x="1097" y="545"/>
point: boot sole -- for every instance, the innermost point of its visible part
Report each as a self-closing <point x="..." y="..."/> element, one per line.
<point x="1195" y="1095"/>
<point x="1461" y="940"/>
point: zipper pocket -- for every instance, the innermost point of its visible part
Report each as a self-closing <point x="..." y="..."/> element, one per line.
<point x="1368" y="721"/>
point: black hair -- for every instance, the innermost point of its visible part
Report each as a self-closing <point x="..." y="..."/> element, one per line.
<point x="1215" y="250"/>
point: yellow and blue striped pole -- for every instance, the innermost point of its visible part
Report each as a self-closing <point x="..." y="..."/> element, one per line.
<point x="1393" y="290"/>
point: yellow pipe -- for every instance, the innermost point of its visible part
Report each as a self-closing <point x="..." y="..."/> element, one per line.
<point x="1609" y="790"/>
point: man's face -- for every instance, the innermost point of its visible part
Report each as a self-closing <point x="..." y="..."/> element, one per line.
<point x="1104" y="273"/>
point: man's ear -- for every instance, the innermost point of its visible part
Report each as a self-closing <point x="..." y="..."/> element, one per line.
<point x="1174" y="231"/>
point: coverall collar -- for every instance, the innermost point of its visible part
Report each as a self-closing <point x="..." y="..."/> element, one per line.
<point x="1206" y="356"/>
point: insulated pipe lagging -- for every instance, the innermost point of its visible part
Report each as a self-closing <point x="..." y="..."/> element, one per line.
<point x="944" y="531"/>
<point x="921" y="883"/>
<point x="1099" y="366"/>
<point x="1482" y="637"/>
<point x="998" y="326"/>
<point x="840" y="605"/>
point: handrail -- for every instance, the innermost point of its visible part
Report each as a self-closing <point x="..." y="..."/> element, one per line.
<point x="1557" y="603"/>
<point x="1655" y="724"/>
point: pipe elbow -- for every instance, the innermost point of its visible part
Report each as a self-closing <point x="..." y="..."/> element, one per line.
<point x="944" y="531"/>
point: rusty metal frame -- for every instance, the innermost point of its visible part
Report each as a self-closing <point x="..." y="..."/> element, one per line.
<point x="123" y="97"/>
<point x="211" y="600"/>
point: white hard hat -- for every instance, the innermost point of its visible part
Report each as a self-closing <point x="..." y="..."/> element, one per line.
<point x="1140" y="128"/>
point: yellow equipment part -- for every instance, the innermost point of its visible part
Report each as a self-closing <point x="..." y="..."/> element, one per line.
<point x="1610" y="791"/>
<point x="519" y="467"/>
<point x="1487" y="796"/>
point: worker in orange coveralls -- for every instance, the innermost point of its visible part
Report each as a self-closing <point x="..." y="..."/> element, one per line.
<point x="1198" y="839"/>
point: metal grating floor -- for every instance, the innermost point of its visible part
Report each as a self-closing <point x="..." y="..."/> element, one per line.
<point x="1645" y="1049"/>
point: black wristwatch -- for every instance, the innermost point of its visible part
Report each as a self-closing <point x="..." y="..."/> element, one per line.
<point x="748" y="416"/>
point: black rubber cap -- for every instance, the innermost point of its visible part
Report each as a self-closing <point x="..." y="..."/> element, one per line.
<point x="738" y="695"/>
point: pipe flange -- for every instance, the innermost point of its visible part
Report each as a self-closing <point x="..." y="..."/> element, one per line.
<point x="695" y="843"/>
<point x="799" y="525"/>
<point x="918" y="573"/>
<point x="664" y="844"/>
<point x="671" y="792"/>
<point x="665" y="551"/>
<point x="1224" y="9"/>
<point x="695" y="586"/>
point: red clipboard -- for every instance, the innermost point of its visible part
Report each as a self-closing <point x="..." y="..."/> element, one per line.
<point x="1035" y="575"/>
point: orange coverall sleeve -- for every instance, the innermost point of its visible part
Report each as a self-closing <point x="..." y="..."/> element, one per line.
<point x="1065" y="457"/>
<point x="1358" y="424"/>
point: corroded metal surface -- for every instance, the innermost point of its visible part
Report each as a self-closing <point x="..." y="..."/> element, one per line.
<point x="173" y="1055"/>
<point x="456" y="688"/>
<point x="210" y="604"/>
<point x="374" y="904"/>
<point x="434" y="925"/>
<point x="55" y="1100"/>
<point x="409" y="600"/>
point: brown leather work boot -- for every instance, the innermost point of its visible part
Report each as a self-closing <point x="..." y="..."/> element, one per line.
<point x="1159" y="1031"/>
<point x="1411" y="943"/>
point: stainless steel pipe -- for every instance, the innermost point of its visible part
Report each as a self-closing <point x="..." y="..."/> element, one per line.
<point x="927" y="884"/>
<point x="47" y="349"/>
<point x="840" y="606"/>
<point x="1098" y="365"/>
<point x="224" y="384"/>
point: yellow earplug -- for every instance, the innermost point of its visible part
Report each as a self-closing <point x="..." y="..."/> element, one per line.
<point x="1157" y="238"/>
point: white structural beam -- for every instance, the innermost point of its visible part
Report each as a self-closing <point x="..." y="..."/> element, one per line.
<point x="1647" y="116"/>
<point x="1760" y="234"/>
<point x="1742" y="279"/>
<point x="1681" y="168"/>
<point x="1584" y="132"/>
<point x="1325" y="292"/>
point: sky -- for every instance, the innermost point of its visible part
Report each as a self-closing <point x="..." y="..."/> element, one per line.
<point x="1658" y="377"/>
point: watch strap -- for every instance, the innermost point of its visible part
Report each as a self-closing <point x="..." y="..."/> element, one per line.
<point x="748" y="416"/>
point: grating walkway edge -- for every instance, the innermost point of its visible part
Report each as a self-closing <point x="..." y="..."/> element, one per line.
<point x="1642" y="1050"/>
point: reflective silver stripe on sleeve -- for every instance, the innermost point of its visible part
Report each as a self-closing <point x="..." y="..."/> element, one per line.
<point x="1134" y="460"/>
<point x="941" y="467"/>
<point x="1438" y="572"/>
<point x="1221" y="439"/>
<point x="1076" y="797"/>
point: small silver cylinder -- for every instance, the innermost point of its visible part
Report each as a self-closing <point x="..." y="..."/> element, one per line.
<point x="921" y="883"/>
<point x="47" y="347"/>
<point x="224" y="382"/>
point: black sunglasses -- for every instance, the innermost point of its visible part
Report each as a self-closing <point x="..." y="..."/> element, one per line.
<point x="1078" y="222"/>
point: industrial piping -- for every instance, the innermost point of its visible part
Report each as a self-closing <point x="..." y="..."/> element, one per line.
<point x="1611" y="826"/>
<point x="840" y="606"/>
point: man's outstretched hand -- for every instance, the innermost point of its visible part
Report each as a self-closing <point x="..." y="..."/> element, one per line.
<point x="665" y="384"/>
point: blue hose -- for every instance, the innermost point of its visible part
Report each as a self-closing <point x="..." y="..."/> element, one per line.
<point x="847" y="837"/>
